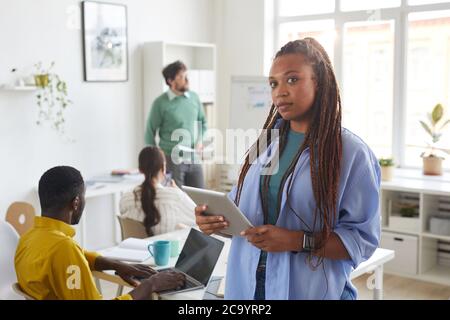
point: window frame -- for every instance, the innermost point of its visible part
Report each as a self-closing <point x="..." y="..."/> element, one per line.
<point x="400" y="17"/>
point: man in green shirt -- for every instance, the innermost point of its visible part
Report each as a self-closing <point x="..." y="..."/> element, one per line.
<point x="178" y="117"/>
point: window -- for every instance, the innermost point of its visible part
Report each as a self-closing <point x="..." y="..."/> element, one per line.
<point x="353" y="5"/>
<point x="300" y="8"/>
<point x="322" y="30"/>
<point x="368" y="62"/>
<point x="428" y="79"/>
<point x="419" y="2"/>
<point x="392" y="62"/>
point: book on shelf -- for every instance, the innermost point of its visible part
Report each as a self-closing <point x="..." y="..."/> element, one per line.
<point x="131" y="249"/>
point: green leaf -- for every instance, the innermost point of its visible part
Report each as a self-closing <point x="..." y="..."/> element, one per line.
<point x="445" y="124"/>
<point x="426" y="127"/>
<point x="386" y="162"/>
<point x="437" y="113"/>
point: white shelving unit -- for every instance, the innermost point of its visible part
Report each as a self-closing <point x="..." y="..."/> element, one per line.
<point x="200" y="59"/>
<point x="416" y="248"/>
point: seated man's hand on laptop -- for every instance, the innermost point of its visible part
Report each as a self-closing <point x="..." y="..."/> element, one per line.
<point x="129" y="272"/>
<point x="209" y="224"/>
<point x="156" y="283"/>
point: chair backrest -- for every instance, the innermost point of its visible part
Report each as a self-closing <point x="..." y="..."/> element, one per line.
<point x="21" y="216"/>
<point x="17" y="289"/>
<point x="132" y="228"/>
<point x="8" y="240"/>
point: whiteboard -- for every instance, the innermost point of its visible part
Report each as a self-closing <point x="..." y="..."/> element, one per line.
<point x="250" y="102"/>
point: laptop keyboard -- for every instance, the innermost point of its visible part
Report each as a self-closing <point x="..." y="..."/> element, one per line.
<point x="187" y="284"/>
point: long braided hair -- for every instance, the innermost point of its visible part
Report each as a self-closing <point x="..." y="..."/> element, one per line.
<point x="151" y="161"/>
<point x="323" y="138"/>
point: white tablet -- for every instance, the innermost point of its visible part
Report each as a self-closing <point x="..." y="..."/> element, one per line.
<point x="218" y="204"/>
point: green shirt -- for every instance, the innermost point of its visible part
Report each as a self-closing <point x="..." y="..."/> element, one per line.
<point x="293" y="144"/>
<point x="171" y="112"/>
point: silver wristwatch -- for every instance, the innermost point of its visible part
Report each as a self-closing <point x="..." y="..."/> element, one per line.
<point x="308" y="241"/>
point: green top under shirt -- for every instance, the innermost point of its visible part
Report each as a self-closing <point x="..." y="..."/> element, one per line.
<point x="294" y="142"/>
<point x="170" y="112"/>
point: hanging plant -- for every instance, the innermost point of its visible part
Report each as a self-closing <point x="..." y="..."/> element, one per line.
<point x="52" y="99"/>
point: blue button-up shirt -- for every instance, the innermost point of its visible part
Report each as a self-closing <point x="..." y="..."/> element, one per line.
<point x="288" y="275"/>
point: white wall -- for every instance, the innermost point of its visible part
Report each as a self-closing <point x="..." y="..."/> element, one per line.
<point x="106" y="118"/>
<point x="243" y="45"/>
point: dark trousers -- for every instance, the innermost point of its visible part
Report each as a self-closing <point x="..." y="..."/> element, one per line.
<point x="187" y="174"/>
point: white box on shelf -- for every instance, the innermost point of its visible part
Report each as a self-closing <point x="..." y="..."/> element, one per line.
<point x="404" y="223"/>
<point x="405" y="248"/>
<point x="440" y="226"/>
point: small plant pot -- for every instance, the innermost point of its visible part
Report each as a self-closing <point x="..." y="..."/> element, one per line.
<point x="432" y="166"/>
<point x="387" y="172"/>
<point x="41" y="80"/>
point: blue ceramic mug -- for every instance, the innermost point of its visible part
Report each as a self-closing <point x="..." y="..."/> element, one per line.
<point x="160" y="251"/>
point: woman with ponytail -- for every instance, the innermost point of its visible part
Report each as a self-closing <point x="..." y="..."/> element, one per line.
<point x="312" y="193"/>
<point x="160" y="208"/>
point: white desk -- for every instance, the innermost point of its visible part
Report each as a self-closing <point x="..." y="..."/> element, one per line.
<point x="114" y="189"/>
<point x="375" y="263"/>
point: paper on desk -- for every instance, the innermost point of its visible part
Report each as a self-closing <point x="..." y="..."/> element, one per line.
<point x="135" y="244"/>
<point x="131" y="249"/>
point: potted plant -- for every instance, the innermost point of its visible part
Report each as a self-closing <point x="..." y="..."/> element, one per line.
<point x="387" y="168"/>
<point x="51" y="97"/>
<point x="403" y="212"/>
<point x="432" y="157"/>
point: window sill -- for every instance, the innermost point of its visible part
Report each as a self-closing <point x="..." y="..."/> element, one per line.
<point x="416" y="174"/>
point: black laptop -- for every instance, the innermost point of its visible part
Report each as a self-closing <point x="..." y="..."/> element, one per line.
<point x="197" y="261"/>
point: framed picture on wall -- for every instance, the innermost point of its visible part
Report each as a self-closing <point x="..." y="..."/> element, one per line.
<point x="105" y="43"/>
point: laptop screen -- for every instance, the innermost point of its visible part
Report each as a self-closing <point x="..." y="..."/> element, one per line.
<point x="199" y="256"/>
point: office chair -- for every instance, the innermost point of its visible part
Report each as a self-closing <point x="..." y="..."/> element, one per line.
<point x="132" y="229"/>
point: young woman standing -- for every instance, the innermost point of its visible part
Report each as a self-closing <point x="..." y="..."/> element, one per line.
<point x="316" y="214"/>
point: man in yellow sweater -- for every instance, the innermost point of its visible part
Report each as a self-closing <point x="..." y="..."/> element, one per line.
<point x="51" y="265"/>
